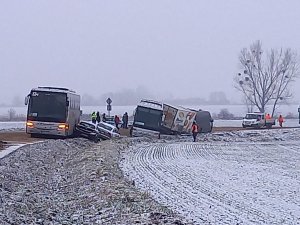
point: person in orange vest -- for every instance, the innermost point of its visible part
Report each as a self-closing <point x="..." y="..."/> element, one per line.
<point x="268" y="116"/>
<point x="280" y="120"/>
<point x="195" y="130"/>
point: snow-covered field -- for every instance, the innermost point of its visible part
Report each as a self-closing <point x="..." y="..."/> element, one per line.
<point x="243" y="177"/>
<point x="7" y="126"/>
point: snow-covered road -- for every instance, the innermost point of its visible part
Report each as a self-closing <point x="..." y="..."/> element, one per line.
<point x="234" y="182"/>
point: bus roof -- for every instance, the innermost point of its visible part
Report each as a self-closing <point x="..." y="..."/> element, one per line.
<point x="54" y="89"/>
<point x="151" y="104"/>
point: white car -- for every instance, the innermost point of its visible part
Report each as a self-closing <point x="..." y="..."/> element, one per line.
<point x="257" y="120"/>
<point x="107" y="131"/>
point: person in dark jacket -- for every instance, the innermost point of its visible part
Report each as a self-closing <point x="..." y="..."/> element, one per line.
<point x="104" y="117"/>
<point x="125" y="120"/>
<point x="98" y="119"/>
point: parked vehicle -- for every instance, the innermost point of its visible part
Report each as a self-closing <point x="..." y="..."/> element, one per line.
<point x="107" y="131"/>
<point x="257" y="120"/>
<point x="88" y="130"/>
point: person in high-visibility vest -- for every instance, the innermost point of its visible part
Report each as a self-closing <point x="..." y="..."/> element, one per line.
<point x="195" y="130"/>
<point x="94" y="116"/>
<point x="268" y="116"/>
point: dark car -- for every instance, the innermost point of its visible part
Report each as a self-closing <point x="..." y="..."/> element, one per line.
<point x="88" y="130"/>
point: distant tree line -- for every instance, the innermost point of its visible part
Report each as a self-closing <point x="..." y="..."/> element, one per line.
<point x="12" y="116"/>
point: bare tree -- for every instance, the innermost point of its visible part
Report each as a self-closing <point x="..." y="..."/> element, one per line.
<point x="266" y="80"/>
<point x="249" y="105"/>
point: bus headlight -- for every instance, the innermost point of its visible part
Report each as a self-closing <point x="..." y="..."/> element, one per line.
<point x="29" y="124"/>
<point x="63" y="126"/>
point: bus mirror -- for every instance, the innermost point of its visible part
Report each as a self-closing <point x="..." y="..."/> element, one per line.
<point x="67" y="103"/>
<point x="80" y="112"/>
<point x="26" y="100"/>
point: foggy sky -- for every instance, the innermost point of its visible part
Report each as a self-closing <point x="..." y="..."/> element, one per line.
<point x="171" y="48"/>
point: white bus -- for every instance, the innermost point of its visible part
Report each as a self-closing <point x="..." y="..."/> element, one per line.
<point x="52" y="111"/>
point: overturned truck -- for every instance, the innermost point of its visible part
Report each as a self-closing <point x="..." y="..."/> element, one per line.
<point x="158" y="117"/>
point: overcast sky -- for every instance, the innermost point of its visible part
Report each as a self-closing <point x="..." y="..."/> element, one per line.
<point x="173" y="48"/>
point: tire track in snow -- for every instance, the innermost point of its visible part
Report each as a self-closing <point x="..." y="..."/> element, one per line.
<point x="214" y="183"/>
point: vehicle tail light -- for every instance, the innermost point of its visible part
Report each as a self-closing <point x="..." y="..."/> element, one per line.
<point x="63" y="126"/>
<point x="29" y="124"/>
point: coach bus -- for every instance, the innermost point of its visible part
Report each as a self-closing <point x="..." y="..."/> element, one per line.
<point x="52" y="111"/>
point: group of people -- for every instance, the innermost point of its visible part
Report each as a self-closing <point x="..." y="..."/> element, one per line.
<point x="124" y="121"/>
<point x="96" y="118"/>
<point x="280" y="119"/>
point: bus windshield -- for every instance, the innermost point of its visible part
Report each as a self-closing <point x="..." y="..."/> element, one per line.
<point x="47" y="106"/>
<point x="147" y="118"/>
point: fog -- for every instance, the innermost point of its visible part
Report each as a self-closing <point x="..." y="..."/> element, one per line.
<point x="163" y="49"/>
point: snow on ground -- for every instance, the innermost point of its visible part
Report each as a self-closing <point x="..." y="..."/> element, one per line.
<point x="243" y="177"/>
<point x="240" y="177"/>
<point x="74" y="181"/>
<point x="12" y="126"/>
<point x="9" y="150"/>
